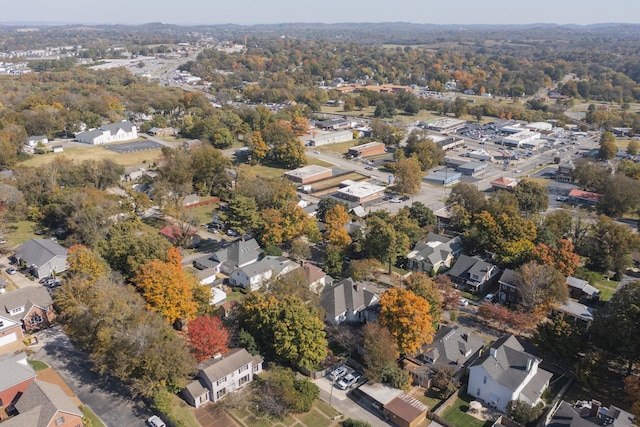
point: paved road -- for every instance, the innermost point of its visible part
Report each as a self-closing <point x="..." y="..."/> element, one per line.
<point x="106" y="396"/>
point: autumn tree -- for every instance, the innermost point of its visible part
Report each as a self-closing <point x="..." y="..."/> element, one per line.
<point x="560" y="339"/>
<point x="168" y="289"/>
<point x="610" y="245"/>
<point x="408" y="175"/>
<point x="633" y="147"/>
<point x="335" y="220"/>
<point x="424" y="286"/>
<point x="450" y="295"/>
<point x="380" y="350"/>
<point x="608" y="148"/>
<point x="257" y="147"/>
<point x="86" y="263"/>
<point x="407" y="317"/>
<point x="285" y="328"/>
<point x="562" y="256"/>
<point x="207" y="336"/>
<point x="364" y="269"/>
<point x="632" y="390"/>
<point x="540" y="286"/>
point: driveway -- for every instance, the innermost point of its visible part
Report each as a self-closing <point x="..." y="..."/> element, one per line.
<point x="106" y="396"/>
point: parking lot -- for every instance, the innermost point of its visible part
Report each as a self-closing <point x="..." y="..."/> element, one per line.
<point x="131" y="147"/>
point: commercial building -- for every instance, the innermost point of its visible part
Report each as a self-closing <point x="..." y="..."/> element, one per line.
<point x="367" y="150"/>
<point x="331" y="138"/>
<point x="444" y="177"/>
<point x="309" y="174"/>
<point x="521" y="138"/>
<point x="360" y="192"/>
<point x="504" y="183"/>
<point x="114" y="132"/>
<point x="472" y="168"/>
<point x="446" y="125"/>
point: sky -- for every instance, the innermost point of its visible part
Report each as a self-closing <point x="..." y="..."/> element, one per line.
<point x="247" y="12"/>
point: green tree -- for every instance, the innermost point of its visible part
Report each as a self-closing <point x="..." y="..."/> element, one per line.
<point x="611" y="324"/>
<point x="286" y="328"/>
<point x="209" y="168"/>
<point x="532" y="197"/>
<point x="621" y="196"/>
<point x="560" y="339"/>
<point x="424" y="286"/>
<point x="633" y="147"/>
<point x="608" y="147"/>
<point x="540" y="287"/>
<point x="243" y="215"/>
<point x="591" y="176"/>
<point x="408" y="175"/>
<point x="467" y="196"/>
<point x="522" y="412"/>
<point x="421" y="213"/>
<point x="610" y="245"/>
<point x="380" y="350"/>
<point x="592" y="369"/>
<point x="381" y="241"/>
<point x="281" y="393"/>
<point x="407" y="317"/>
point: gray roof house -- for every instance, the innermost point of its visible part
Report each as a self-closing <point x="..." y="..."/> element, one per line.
<point x="226" y="260"/>
<point x="451" y="346"/>
<point x="435" y="253"/>
<point x="44" y="405"/>
<point x="254" y="275"/>
<point x="590" y="414"/>
<point x="220" y="375"/>
<point x="16" y="376"/>
<point x="507" y="372"/>
<point x="579" y="288"/>
<point x="32" y="307"/>
<point x="346" y="301"/>
<point x="43" y="257"/>
<point x="473" y="273"/>
<point x="113" y="132"/>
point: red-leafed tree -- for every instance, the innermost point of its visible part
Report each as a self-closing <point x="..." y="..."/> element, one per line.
<point x="207" y="336"/>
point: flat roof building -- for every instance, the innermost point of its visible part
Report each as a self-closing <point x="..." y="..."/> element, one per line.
<point x="446" y="125"/>
<point x="331" y="138"/>
<point x="444" y="177"/>
<point x="472" y="168"/>
<point x="361" y="192"/>
<point x="309" y="174"/>
<point x="520" y="138"/>
<point x="368" y="149"/>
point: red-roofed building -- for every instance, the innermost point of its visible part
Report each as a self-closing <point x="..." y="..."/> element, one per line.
<point x="405" y="411"/>
<point x="586" y="197"/>
<point x="503" y="183"/>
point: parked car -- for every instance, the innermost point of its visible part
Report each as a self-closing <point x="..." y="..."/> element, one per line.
<point x="155" y="421"/>
<point x="562" y="198"/>
<point x="338" y="373"/>
<point x="369" y="168"/>
<point x="490" y="298"/>
<point x="395" y="200"/>
<point x="11" y="270"/>
<point x="463" y="302"/>
<point x="347" y="381"/>
<point x="404" y="198"/>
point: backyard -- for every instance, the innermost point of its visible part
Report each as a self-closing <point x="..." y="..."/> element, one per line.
<point x="320" y="415"/>
<point x="458" y="416"/>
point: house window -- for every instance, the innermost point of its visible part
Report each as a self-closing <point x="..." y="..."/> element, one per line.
<point x="478" y="394"/>
<point x="221" y="380"/>
<point x="244" y="368"/>
<point x="36" y="319"/>
<point x="485" y="380"/>
<point x="59" y="420"/>
<point x="256" y="368"/>
<point x="243" y="380"/>
<point x="220" y="393"/>
<point x="17" y="310"/>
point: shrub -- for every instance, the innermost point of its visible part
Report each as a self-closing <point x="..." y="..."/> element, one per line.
<point x="355" y="423"/>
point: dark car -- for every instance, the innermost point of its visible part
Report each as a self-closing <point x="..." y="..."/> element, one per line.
<point x="404" y="198"/>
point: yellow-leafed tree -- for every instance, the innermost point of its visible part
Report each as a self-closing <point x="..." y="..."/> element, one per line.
<point x="335" y="219"/>
<point x="167" y="289"/>
<point x="407" y="317"/>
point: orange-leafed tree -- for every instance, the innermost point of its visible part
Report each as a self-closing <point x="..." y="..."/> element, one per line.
<point x="207" y="336"/>
<point x="167" y="289"/>
<point x="300" y="125"/>
<point x="335" y="219"/>
<point x="85" y="262"/>
<point x="562" y="257"/>
<point x="407" y="317"/>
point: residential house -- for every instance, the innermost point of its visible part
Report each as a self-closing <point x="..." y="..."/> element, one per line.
<point x="506" y="372"/>
<point x="34" y="141"/>
<point x="226" y="260"/>
<point x="57" y="148"/>
<point x="575" y="312"/>
<point x="190" y="200"/>
<point x="565" y="172"/>
<point x="435" y="253"/>
<point x="590" y="414"/>
<point x="113" y="132"/>
<point x="391" y="404"/>
<point x="473" y="274"/>
<point x="508" y="287"/>
<point x="155" y="131"/>
<point x="254" y="275"/>
<point x="43" y="257"/>
<point x="192" y="144"/>
<point x="315" y="278"/>
<point x="45" y="405"/>
<point x="32" y="307"/>
<point x="16" y="376"/>
<point x="346" y="302"/>
<point x="581" y="289"/>
<point x="221" y="375"/>
<point x="584" y="197"/>
<point x="10" y="329"/>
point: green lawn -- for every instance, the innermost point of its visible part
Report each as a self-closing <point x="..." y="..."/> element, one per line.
<point x="90" y="419"/>
<point x="37" y="365"/>
<point x="600" y="281"/>
<point x="19" y="232"/>
<point x="315" y="419"/>
<point x="326" y="409"/>
<point x="456" y="414"/>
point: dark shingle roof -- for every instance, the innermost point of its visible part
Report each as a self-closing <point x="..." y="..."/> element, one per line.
<point x="215" y="369"/>
<point x="25" y="297"/>
<point x="46" y="400"/>
<point x="238" y="254"/>
<point x="38" y="252"/>
<point x="345" y="295"/>
<point x="452" y="345"/>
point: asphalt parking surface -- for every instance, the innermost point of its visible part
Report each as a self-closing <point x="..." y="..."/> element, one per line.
<point x="130" y="147"/>
<point x="105" y="395"/>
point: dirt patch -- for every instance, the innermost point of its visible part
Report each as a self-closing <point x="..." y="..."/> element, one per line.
<point x="212" y="415"/>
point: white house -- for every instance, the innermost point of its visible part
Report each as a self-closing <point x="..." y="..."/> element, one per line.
<point x="221" y="375"/>
<point x="254" y="275"/>
<point x="506" y="372"/>
<point x="346" y="302"/>
<point x="33" y="141"/>
<point x="113" y="132"/>
<point x="240" y="254"/>
<point x="434" y="254"/>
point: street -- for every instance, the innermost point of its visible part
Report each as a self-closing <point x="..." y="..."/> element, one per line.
<point x="105" y="395"/>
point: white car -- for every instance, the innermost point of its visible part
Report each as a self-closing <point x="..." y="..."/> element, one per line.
<point x="463" y="302"/>
<point x="489" y="298"/>
<point x="395" y="200"/>
<point x="155" y="421"/>
<point x="338" y="373"/>
<point x="347" y="381"/>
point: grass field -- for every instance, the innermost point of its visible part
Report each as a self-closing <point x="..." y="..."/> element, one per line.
<point x="457" y="415"/>
<point x="320" y="415"/>
<point x="37" y="365"/>
<point x="19" y="232"/>
<point x="92" y="152"/>
<point x="90" y="418"/>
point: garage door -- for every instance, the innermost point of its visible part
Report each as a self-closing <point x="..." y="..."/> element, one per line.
<point x="8" y="339"/>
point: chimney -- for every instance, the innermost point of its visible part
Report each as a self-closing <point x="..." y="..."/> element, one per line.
<point x="493" y="352"/>
<point x="465" y="337"/>
<point x="529" y="364"/>
<point x="595" y="408"/>
<point x="356" y="287"/>
<point x="218" y="355"/>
